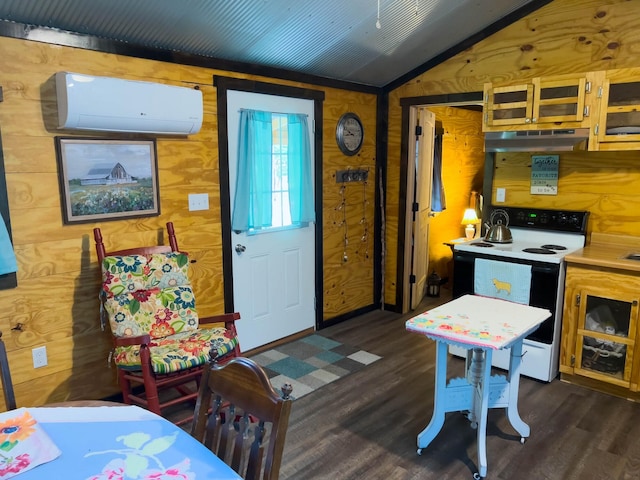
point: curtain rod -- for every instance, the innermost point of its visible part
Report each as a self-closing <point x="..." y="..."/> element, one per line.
<point x="267" y="111"/>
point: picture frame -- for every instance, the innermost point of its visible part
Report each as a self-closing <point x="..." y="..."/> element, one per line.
<point x="107" y="179"/>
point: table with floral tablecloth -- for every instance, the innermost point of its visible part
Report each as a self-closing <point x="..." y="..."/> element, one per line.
<point x="480" y="325"/>
<point x="100" y="443"/>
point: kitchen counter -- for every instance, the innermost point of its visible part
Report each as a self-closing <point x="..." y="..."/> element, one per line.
<point x="609" y="251"/>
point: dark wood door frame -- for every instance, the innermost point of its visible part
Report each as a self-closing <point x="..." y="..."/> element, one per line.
<point x="406" y="104"/>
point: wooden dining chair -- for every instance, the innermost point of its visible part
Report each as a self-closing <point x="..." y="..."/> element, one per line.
<point x="238" y="414"/>
<point x="5" y="376"/>
<point x="160" y="342"/>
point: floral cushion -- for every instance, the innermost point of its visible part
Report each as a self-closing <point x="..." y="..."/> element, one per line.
<point x="158" y="312"/>
<point x="148" y="294"/>
<point x="179" y="351"/>
<point x="131" y="273"/>
<point x="151" y="294"/>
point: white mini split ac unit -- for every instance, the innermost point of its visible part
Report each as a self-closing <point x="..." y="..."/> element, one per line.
<point x="86" y="102"/>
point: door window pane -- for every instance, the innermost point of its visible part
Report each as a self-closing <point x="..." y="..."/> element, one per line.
<point x="281" y="213"/>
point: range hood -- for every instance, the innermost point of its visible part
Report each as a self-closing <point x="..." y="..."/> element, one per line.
<point x="565" y="140"/>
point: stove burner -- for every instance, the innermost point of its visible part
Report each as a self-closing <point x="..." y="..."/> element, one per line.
<point x="541" y="251"/>
<point x="554" y="247"/>
<point x="482" y="244"/>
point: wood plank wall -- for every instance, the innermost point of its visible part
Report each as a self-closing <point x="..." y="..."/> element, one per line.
<point x="56" y="300"/>
<point x="565" y="36"/>
<point x="348" y="284"/>
<point x="603" y="183"/>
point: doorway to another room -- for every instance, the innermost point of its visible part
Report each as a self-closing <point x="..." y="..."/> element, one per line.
<point x="426" y="228"/>
<point x="419" y="185"/>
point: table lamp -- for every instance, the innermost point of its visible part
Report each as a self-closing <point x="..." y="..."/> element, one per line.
<point x="470" y="219"/>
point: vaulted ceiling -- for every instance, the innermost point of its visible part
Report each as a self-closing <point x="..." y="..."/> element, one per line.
<point x="367" y="42"/>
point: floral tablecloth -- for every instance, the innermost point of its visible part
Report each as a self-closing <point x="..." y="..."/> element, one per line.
<point x="478" y="321"/>
<point x="117" y="443"/>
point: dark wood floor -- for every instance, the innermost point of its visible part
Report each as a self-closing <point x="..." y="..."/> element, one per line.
<point x="364" y="426"/>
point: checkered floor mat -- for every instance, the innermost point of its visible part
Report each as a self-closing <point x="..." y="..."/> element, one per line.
<point x="311" y="362"/>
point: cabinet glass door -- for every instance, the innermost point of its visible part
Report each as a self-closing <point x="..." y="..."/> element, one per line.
<point x="512" y="105"/>
<point x="605" y="340"/>
<point x="559" y="100"/>
<point x="619" y="112"/>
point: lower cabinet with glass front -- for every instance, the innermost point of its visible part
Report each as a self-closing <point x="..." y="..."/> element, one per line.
<point x="600" y="329"/>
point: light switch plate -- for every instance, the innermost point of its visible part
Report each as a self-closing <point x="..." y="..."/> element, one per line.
<point x="501" y="193"/>
<point x="198" y="201"/>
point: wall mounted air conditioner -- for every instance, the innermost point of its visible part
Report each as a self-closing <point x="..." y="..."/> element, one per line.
<point x="86" y="102"/>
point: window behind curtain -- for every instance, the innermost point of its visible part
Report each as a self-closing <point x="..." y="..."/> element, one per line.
<point x="286" y="183"/>
<point x="280" y="212"/>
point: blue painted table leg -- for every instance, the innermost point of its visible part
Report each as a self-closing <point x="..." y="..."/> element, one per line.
<point x="513" y="378"/>
<point x="439" y="404"/>
<point x="482" y="405"/>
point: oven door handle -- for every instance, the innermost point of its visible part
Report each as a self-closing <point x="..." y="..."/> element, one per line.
<point x="535" y="267"/>
<point x="546" y="269"/>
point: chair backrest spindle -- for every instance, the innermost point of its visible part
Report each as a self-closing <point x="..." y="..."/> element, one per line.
<point x="102" y="251"/>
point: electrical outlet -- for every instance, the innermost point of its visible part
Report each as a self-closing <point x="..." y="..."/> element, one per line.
<point x="39" y="357"/>
<point x="198" y="201"/>
<point x="501" y="193"/>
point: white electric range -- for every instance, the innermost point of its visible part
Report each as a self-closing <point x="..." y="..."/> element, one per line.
<point x="541" y="239"/>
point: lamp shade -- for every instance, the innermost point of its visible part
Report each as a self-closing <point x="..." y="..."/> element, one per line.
<point x="469" y="217"/>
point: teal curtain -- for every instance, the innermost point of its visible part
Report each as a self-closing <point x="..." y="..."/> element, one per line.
<point x="299" y="170"/>
<point x="8" y="263"/>
<point x="252" y="201"/>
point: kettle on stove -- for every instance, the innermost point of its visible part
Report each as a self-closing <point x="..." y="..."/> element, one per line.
<point x="498" y="230"/>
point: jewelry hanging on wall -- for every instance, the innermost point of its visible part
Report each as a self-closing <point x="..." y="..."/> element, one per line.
<point x="343" y="206"/>
<point x="363" y="221"/>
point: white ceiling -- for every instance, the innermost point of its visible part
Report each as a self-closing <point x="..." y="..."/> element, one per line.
<point x="336" y="39"/>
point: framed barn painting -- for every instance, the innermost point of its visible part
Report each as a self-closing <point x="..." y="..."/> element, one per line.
<point x="103" y="179"/>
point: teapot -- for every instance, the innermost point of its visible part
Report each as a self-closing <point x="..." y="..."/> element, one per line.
<point x="497" y="232"/>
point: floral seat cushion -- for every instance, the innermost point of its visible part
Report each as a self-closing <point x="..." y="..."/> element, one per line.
<point x="179" y="351"/>
<point x="151" y="294"/>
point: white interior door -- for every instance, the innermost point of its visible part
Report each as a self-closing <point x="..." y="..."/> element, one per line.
<point x="419" y="181"/>
<point x="274" y="271"/>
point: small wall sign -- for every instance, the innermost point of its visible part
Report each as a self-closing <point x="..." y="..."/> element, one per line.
<point x="544" y="174"/>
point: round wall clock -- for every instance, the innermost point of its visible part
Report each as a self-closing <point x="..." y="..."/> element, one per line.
<point x="349" y="133"/>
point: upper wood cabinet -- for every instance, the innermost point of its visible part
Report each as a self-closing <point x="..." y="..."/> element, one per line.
<point x="545" y="102"/>
<point x="618" y="119"/>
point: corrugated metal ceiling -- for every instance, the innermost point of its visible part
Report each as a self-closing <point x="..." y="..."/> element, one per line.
<point x="336" y="39"/>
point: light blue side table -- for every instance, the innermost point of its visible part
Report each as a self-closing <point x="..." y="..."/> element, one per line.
<point x="480" y="325"/>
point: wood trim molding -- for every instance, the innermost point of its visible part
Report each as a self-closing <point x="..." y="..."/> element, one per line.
<point x="407" y="103"/>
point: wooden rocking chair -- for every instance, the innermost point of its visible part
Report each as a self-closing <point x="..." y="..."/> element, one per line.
<point x="159" y="342"/>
